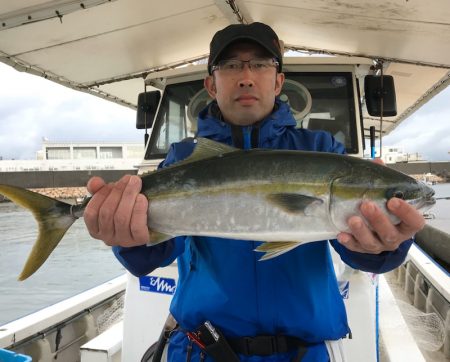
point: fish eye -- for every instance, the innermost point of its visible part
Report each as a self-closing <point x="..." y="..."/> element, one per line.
<point x="394" y="192"/>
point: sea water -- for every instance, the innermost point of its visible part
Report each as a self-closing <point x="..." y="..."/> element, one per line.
<point x="78" y="263"/>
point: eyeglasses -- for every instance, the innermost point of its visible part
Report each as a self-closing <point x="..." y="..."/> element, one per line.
<point x="233" y="66"/>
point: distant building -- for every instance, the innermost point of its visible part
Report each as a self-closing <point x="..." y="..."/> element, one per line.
<point x="69" y="156"/>
<point x="393" y="154"/>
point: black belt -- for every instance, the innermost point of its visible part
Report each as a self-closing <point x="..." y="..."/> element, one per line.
<point x="221" y="349"/>
<point x="266" y="345"/>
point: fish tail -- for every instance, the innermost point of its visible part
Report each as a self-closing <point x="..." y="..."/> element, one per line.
<point x="54" y="218"/>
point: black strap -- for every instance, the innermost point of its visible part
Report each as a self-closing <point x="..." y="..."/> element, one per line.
<point x="149" y="355"/>
<point x="155" y="351"/>
<point x="267" y="345"/>
<point x="238" y="136"/>
<point x="255" y="135"/>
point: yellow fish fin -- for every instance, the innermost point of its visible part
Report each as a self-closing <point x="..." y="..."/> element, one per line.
<point x="205" y="148"/>
<point x="274" y="249"/>
<point x="157" y="237"/>
<point x="54" y="218"/>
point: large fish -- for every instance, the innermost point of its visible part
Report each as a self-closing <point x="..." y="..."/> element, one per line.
<point x="284" y="198"/>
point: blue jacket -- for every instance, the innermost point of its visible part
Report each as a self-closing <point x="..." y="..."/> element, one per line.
<point x="222" y="280"/>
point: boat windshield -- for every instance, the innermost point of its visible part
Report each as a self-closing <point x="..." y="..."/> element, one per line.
<point x="319" y="101"/>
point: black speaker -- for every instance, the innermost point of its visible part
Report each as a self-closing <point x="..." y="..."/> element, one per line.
<point x="374" y="93"/>
<point x="146" y="109"/>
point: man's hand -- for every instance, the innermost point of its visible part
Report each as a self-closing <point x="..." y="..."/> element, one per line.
<point x="384" y="235"/>
<point x="117" y="212"/>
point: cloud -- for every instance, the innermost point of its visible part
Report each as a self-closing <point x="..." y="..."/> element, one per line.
<point x="427" y="131"/>
<point x="32" y="108"/>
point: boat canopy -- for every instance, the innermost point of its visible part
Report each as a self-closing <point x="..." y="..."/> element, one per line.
<point x="108" y="47"/>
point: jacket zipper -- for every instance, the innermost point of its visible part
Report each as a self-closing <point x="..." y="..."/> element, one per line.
<point x="247" y="133"/>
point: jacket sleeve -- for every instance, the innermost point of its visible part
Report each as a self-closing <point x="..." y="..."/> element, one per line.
<point x="141" y="260"/>
<point x="373" y="263"/>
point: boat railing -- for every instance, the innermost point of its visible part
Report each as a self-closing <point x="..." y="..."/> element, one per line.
<point x="63" y="327"/>
<point x="426" y="287"/>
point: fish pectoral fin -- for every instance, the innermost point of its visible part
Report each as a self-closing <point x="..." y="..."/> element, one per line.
<point x="276" y="248"/>
<point x="292" y="202"/>
<point x="157" y="237"/>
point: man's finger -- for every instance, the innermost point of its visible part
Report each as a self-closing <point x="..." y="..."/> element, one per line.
<point x="379" y="161"/>
<point x="412" y="220"/>
<point x="91" y="213"/>
<point x="363" y="235"/>
<point x="107" y="211"/>
<point x="138" y="223"/>
<point x="124" y="210"/>
<point x="350" y="243"/>
<point x="388" y="234"/>
<point x="94" y="184"/>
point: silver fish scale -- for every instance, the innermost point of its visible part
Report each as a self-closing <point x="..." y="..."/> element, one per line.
<point x="240" y="216"/>
<point x="232" y="195"/>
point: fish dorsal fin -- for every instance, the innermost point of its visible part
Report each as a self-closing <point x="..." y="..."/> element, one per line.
<point x="206" y="148"/>
<point x="145" y="173"/>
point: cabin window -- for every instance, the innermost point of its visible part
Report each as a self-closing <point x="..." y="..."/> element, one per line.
<point x="173" y="123"/>
<point x="332" y="104"/>
<point x="320" y="101"/>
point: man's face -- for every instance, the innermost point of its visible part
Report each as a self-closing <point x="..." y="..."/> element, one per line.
<point x="245" y="97"/>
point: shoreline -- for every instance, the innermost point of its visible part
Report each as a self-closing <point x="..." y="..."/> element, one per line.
<point x="434" y="179"/>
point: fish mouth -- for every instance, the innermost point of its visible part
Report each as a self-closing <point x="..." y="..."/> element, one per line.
<point x="426" y="202"/>
<point x="429" y="198"/>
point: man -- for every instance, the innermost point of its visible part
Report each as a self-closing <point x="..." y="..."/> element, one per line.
<point x="286" y="307"/>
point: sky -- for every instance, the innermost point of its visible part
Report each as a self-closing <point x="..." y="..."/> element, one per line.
<point x="32" y="108"/>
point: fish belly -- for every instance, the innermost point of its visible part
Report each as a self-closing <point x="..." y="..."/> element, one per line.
<point x="342" y="209"/>
<point x="238" y="215"/>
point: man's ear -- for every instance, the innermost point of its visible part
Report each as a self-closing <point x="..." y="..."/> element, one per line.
<point x="279" y="81"/>
<point x="210" y="86"/>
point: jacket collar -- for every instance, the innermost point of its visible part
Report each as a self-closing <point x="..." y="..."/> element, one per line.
<point x="212" y="125"/>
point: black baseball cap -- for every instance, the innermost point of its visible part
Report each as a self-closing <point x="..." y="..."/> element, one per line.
<point x="257" y="32"/>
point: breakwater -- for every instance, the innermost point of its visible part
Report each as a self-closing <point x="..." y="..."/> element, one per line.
<point x="420" y="169"/>
<point x="63" y="193"/>
<point x="69" y="194"/>
<point x="57" y="179"/>
<point x="67" y="185"/>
